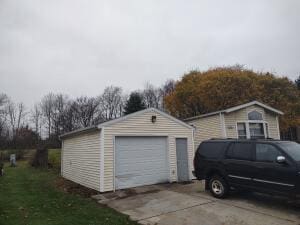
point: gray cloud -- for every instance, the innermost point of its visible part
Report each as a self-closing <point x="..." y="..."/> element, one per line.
<point x="79" y="47"/>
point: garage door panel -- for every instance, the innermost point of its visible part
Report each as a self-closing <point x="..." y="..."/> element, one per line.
<point x="141" y="161"/>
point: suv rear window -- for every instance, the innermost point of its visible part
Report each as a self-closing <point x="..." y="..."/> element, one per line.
<point x="211" y="150"/>
<point x="240" y="151"/>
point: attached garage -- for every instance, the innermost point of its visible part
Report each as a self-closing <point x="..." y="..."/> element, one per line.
<point x="143" y="148"/>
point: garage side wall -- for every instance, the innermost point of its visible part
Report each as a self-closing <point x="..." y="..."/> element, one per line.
<point x="141" y="125"/>
<point x="81" y="159"/>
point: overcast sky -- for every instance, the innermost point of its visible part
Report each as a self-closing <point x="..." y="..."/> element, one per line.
<point x="79" y="47"/>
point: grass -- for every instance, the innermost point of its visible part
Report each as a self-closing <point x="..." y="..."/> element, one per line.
<point x="29" y="196"/>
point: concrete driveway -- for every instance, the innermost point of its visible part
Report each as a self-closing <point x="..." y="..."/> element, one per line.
<point x="181" y="204"/>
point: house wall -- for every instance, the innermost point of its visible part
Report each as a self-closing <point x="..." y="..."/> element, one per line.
<point x="81" y="159"/>
<point x="206" y="128"/>
<point x="211" y="126"/>
<point x="232" y="118"/>
<point x="141" y="125"/>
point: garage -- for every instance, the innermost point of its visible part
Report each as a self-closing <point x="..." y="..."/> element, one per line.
<point x="141" y="161"/>
<point x="142" y="148"/>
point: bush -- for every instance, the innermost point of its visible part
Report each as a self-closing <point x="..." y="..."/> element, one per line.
<point x="40" y="158"/>
<point x="5" y="154"/>
<point x="54" y="156"/>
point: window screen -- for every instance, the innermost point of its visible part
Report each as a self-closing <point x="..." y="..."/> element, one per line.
<point x="266" y="153"/>
<point x="240" y="151"/>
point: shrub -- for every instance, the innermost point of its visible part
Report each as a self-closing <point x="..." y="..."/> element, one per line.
<point x="6" y="154"/>
<point x="54" y="158"/>
<point x="40" y="158"/>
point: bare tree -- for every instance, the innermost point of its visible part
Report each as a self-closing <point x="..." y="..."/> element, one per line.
<point x="167" y="88"/>
<point x="16" y="115"/>
<point x="59" y="107"/>
<point x="47" y="107"/>
<point x="85" y="112"/>
<point x="36" y="118"/>
<point x="152" y="96"/>
<point x="111" y="102"/>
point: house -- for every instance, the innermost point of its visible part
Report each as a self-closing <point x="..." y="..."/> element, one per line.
<point x="250" y="120"/>
<point x="142" y="148"/>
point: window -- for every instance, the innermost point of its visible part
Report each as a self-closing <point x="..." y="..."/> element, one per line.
<point x="254" y="115"/>
<point x="256" y="130"/>
<point x="240" y="151"/>
<point x="241" y="127"/>
<point x="266" y="153"/>
<point x="211" y="150"/>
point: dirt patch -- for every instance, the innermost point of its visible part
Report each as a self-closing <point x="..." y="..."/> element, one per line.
<point x="73" y="188"/>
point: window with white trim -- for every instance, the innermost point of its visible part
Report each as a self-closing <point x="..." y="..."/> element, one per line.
<point x="252" y="129"/>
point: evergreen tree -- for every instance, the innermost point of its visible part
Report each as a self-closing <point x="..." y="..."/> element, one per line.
<point x="134" y="103"/>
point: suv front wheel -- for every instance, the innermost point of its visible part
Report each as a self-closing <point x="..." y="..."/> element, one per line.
<point x="218" y="186"/>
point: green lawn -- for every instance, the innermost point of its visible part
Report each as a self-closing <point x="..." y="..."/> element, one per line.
<point x="28" y="196"/>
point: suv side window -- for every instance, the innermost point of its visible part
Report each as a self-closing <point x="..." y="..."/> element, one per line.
<point x="266" y="153"/>
<point x="240" y="151"/>
<point x="211" y="150"/>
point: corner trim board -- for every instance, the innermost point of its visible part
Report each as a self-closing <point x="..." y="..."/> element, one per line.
<point x="102" y="160"/>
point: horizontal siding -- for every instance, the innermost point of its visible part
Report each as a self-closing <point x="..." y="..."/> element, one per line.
<point x="81" y="159"/>
<point x="210" y="127"/>
<point x="273" y="125"/>
<point x="141" y="125"/>
<point x="206" y="128"/>
<point x="232" y="118"/>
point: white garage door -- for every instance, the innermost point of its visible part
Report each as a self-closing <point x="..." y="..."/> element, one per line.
<point x="141" y="161"/>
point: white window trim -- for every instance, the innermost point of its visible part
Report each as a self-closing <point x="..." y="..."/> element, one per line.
<point x="247" y="122"/>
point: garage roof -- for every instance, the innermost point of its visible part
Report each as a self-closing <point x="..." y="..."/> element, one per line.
<point x="110" y="122"/>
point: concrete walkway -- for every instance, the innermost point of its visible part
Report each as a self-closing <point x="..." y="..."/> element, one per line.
<point x="178" y="204"/>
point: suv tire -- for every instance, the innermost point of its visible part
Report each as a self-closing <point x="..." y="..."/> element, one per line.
<point x="218" y="186"/>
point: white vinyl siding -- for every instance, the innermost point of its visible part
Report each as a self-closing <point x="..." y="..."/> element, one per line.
<point x="206" y="128"/>
<point x="273" y="126"/>
<point x="231" y="120"/>
<point x="211" y="126"/>
<point x="81" y="159"/>
<point x="141" y="125"/>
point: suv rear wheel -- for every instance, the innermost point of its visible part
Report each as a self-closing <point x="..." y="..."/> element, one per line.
<point x="218" y="186"/>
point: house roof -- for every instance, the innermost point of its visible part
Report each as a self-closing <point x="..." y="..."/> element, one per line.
<point x="232" y="109"/>
<point x="111" y="122"/>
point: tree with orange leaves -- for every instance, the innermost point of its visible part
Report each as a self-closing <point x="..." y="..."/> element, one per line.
<point x="219" y="88"/>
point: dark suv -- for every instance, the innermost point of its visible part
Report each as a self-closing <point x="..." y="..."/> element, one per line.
<point x="268" y="166"/>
